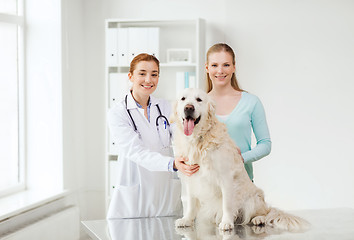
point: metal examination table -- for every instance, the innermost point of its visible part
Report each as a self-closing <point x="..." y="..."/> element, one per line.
<point x="333" y="224"/>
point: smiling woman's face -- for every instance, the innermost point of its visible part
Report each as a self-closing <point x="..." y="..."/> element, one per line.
<point x="220" y="68"/>
<point x="145" y="78"/>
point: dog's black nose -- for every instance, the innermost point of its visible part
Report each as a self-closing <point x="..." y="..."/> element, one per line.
<point x="189" y="110"/>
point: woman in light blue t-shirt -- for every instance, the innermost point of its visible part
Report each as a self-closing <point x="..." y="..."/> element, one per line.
<point x="241" y="111"/>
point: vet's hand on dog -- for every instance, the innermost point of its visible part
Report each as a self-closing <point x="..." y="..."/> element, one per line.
<point x="188" y="170"/>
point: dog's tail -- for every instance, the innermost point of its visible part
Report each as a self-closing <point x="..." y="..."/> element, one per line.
<point x="286" y="221"/>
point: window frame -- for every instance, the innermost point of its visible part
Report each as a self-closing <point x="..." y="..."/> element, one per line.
<point x="18" y="19"/>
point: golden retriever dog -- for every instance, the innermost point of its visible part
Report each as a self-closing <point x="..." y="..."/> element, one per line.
<point x="221" y="190"/>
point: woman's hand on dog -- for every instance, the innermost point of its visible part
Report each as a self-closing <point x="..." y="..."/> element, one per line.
<point x="188" y="170"/>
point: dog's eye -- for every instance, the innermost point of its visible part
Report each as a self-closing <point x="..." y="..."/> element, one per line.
<point x="198" y="99"/>
<point x="183" y="98"/>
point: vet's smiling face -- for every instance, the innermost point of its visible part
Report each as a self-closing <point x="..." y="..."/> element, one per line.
<point x="145" y="78"/>
<point x="192" y="107"/>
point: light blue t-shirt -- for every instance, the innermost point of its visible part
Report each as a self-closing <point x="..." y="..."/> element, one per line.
<point x="249" y="115"/>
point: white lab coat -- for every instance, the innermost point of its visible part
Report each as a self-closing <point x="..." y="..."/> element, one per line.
<point x="144" y="186"/>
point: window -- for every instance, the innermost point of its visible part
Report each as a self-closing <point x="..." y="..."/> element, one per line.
<point x="11" y="97"/>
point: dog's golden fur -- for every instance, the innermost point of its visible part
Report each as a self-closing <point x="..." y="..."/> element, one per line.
<point x="221" y="190"/>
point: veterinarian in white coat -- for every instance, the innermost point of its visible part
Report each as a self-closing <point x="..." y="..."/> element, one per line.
<point x="147" y="184"/>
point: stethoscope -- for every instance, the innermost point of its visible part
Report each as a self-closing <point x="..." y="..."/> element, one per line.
<point x="166" y="124"/>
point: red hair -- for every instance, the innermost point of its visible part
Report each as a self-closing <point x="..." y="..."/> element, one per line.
<point x="143" y="57"/>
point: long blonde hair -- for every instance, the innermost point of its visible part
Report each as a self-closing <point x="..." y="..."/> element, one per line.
<point x="219" y="47"/>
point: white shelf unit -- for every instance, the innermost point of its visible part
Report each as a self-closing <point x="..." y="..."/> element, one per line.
<point x="172" y="34"/>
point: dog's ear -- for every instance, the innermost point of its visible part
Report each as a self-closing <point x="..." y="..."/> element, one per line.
<point x="174" y="116"/>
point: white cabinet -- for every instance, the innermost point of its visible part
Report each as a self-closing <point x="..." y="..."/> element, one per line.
<point x="178" y="44"/>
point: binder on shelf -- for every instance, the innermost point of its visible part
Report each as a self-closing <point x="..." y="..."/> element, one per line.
<point x="153" y="41"/>
<point x="123" y="46"/>
<point x="112" y="47"/>
<point x="179" y="82"/>
<point x="185" y="80"/>
<point x="137" y="41"/>
<point x="118" y="87"/>
<point x="192" y="80"/>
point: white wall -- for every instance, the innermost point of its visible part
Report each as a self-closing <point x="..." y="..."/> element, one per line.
<point x="297" y="56"/>
<point x="83" y="104"/>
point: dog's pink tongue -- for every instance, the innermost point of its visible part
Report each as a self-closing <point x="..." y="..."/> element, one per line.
<point x="188" y="126"/>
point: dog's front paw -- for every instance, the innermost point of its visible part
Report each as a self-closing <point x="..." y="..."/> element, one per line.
<point x="259" y="220"/>
<point x="226" y="225"/>
<point x="183" y="222"/>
